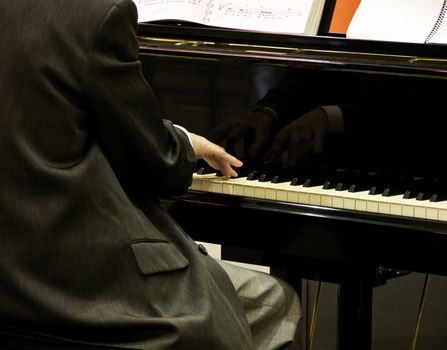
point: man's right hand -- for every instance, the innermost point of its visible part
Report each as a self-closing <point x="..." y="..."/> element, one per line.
<point x="214" y="155"/>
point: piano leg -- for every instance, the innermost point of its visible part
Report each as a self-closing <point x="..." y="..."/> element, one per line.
<point x="354" y="314"/>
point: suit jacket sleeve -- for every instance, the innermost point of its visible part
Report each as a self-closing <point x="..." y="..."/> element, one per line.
<point x="148" y="154"/>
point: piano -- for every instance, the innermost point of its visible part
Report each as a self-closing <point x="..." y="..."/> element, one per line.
<point x="372" y="205"/>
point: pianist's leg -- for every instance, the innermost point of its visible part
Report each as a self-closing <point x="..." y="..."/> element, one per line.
<point x="272" y="307"/>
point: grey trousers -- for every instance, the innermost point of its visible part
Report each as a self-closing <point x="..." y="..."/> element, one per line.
<point x="272" y="308"/>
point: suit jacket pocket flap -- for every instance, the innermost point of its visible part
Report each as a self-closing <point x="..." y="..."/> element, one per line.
<point x="153" y="257"/>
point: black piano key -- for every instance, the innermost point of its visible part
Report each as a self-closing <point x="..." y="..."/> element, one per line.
<point x="439" y="192"/>
<point x="340" y="180"/>
<point x="262" y="171"/>
<point x="424" y="188"/>
<point x="282" y="178"/>
<point x="329" y="185"/>
<point x="302" y="176"/>
<point x="280" y="175"/>
<point x="375" y="190"/>
<point x="395" y="184"/>
<point x="344" y="179"/>
<point x="359" y="187"/>
<point x="254" y="175"/>
<point x="438" y="197"/>
<point x="422" y="196"/>
<point x="359" y="180"/>
<point x="203" y="170"/>
<point x="297" y="181"/>
<point x="393" y="191"/>
<point x="385" y="184"/>
<point x="413" y="186"/>
<point x="364" y="181"/>
<point x="408" y="194"/>
<point x="265" y="178"/>
<point x="330" y="178"/>
<point x="342" y="186"/>
<point x="313" y="182"/>
<point x="251" y="170"/>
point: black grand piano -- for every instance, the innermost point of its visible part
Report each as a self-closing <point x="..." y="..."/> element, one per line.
<point x="370" y="207"/>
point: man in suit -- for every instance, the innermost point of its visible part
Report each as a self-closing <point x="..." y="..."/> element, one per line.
<point x="88" y="257"/>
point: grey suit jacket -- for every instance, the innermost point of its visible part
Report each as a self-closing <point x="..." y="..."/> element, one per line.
<point x="88" y="258"/>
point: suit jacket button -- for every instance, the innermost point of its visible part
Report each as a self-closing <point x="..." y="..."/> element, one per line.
<point x="202" y="249"/>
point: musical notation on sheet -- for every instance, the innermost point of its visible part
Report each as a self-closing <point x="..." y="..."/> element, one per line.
<point x="280" y="16"/>
<point x="285" y="16"/>
<point x="258" y="10"/>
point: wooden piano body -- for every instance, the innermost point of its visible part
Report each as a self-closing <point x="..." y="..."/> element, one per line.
<point x="203" y="75"/>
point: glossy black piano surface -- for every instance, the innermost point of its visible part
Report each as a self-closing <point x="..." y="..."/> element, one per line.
<point x="397" y="151"/>
<point x="205" y="76"/>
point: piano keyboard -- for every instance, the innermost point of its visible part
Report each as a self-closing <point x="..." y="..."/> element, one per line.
<point x="362" y="200"/>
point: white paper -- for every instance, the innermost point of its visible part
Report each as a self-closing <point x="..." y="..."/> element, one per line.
<point x="395" y="20"/>
<point x="273" y="16"/>
<point x="186" y="10"/>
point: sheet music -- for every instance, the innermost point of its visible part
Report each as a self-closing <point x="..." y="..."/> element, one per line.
<point x="186" y="10"/>
<point x="395" y="20"/>
<point x="285" y="16"/>
<point x="278" y="16"/>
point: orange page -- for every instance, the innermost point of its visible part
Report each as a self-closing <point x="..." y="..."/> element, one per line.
<point x="343" y="12"/>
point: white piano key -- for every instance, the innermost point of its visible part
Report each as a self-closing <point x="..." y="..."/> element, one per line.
<point x="396" y="209"/>
<point x="360" y="204"/>
<point x="337" y="201"/>
<point x="408" y="210"/>
<point x="326" y="200"/>
<point x="315" y="199"/>
<point x="227" y="187"/>
<point x="270" y="193"/>
<point x="384" y="208"/>
<point x="372" y="206"/>
<point x="420" y="212"/>
<point x="304" y="197"/>
<point x="349" y="203"/>
<point x="432" y="213"/>
<point x="198" y="181"/>
<point x="292" y="196"/>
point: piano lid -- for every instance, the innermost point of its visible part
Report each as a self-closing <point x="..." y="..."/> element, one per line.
<point x="329" y="52"/>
